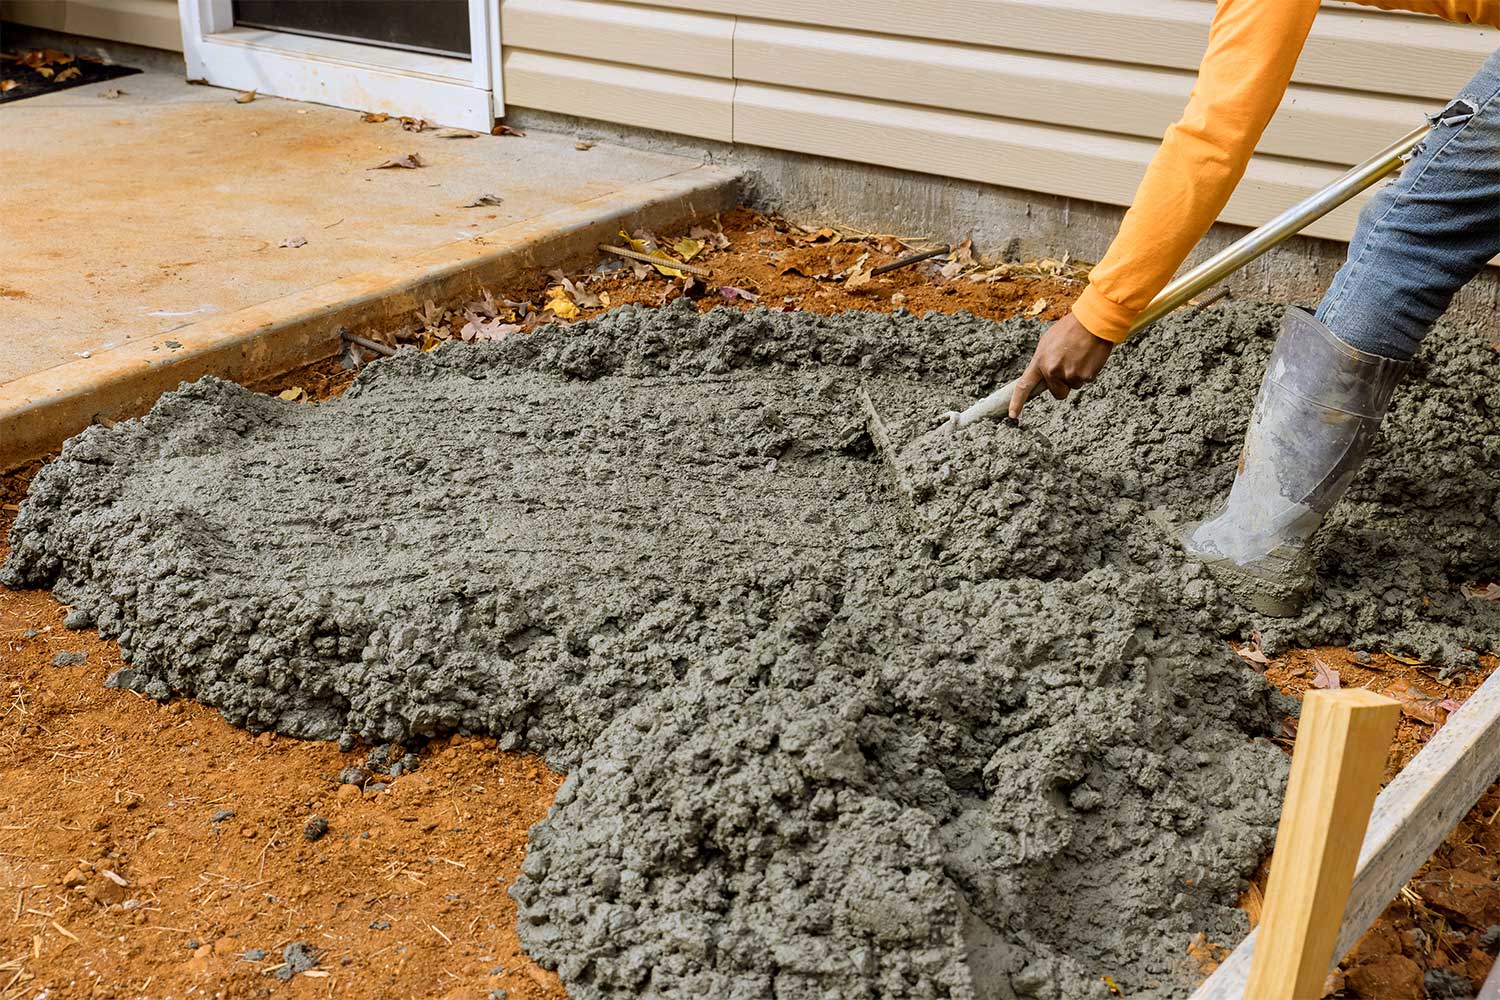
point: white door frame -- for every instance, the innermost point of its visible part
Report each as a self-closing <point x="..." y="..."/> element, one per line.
<point x="445" y="90"/>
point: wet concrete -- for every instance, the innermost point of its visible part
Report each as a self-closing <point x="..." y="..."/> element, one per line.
<point x="979" y="737"/>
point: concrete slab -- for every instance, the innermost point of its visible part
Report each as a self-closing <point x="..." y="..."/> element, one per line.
<point x="143" y="214"/>
<point x="145" y="236"/>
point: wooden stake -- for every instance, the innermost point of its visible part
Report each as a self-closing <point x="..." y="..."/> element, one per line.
<point x="1339" y="758"/>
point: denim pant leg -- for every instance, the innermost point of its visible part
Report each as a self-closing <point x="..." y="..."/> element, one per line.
<point x="1427" y="233"/>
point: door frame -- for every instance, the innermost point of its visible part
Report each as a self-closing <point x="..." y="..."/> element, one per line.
<point x="445" y="90"/>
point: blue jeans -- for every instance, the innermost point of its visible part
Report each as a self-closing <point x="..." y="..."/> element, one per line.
<point x="1427" y="233"/>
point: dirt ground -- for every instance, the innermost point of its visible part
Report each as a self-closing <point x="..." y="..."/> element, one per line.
<point x="207" y="825"/>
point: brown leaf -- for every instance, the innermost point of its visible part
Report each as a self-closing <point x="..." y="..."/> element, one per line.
<point x="963" y="253"/>
<point x="245" y="97"/>
<point x="857" y="279"/>
<point x="8" y="85"/>
<point x="503" y="129"/>
<point x="583" y="145"/>
<point x="408" y="162"/>
<point x="1417" y="703"/>
<point x="710" y="237"/>
<point x="454" y="133"/>
<point x="293" y="242"/>
<point x="111" y="94"/>
<point x="68" y="74"/>
<point x="45" y="71"/>
<point x="485" y="201"/>
<point x="1490" y="592"/>
<point x="731" y="293"/>
<point x="1037" y="307"/>
<point x="1251" y="653"/>
<point x="413" y="124"/>
<point x="824" y="235"/>
<point x="1408" y="660"/>
<point x="1327" y="677"/>
<point x="374" y="117"/>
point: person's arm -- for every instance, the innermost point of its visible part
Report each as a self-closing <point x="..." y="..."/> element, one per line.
<point x="1253" y="46"/>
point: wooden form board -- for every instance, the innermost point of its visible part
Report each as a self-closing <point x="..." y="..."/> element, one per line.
<point x="1337" y="763"/>
<point x="1412" y="816"/>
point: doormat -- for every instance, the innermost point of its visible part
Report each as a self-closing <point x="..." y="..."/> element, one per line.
<point x="32" y="72"/>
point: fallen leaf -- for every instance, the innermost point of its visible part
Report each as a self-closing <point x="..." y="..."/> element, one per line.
<point x="68" y="74"/>
<point x="479" y="328"/>
<point x="824" y="235"/>
<point x="111" y="94"/>
<point x="559" y="304"/>
<point x="1112" y="986"/>
<point x="708" y="236"/>
<point x="245" y="97"/>
<point x="293" y="242"/>
<point x="374" y="117"/>
<point x="292" y="395"/>
<point x="583" y="145"/>
<point x="46" y="71"/>
<point x="408" y="162"/>
<point x="502" y="129"/>
<point x="731" y="293"/>
<point x="963" y="253"/>
<point x="1409" y="661"/>
<point x="1490" y="592"/>
<point x="1251" y="652"/>
<point x="687" y="248"/>
<point x="431" y="317"/>
<point x="1417" y="703"/>
<point x="604" y="299"/>
<point x="648" y="246"/>
<point x="485" y="201"/>
<point x="414" y="124"/>
<point x="454" y="133"/>
<point x="8" y="85"/>
<point x="1327" y="677"/>
<point x="1037" y="307"/>
<point x="857" y="279"/>
<point x="581" y="296"/>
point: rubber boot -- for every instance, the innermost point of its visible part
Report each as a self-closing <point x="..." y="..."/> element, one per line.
<point x="1317" y="414"/>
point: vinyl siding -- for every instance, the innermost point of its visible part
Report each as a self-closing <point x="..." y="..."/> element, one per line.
<point x="1067" y="98"/>
<point x="151" y="23"/>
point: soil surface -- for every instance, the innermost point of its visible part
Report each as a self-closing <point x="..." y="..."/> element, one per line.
<point x="1456" y="940"/>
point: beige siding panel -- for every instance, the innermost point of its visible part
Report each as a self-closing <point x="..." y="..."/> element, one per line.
<point x="1368" y="50"/>
<point x="1314" y="124"/>
<point x="151" y="23"/>
<point x="670" y="102"/>
<point x="995" y="151"/>
<point x="701" y="44"/>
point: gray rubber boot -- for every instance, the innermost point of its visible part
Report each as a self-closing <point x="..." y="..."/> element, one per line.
<point x="1317" y="414"/>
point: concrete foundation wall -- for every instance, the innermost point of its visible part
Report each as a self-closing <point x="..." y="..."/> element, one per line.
<point x="1003" y="222"/>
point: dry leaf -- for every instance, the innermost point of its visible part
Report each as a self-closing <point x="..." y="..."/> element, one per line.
<point x="111" y="94"/>
<point x="824" y="235"/>
<point x="414" y="124"/>
<point x="1490" y="592"/>
<point x="1326" y="677"/>
<point x="581" y="296"/>
<point x="374" y="117"/>
<point x="648" y="246"/>
<point x="245" y="97"/>
<point x="963" y="253"/>
<point x="1409" y="661"/>
<point x="559" y="304"/>
<point x="68" y="74"/>
<point x="731" y="293"/>
<point x="408" y="162"/>
<point x="431" y="318"/>
<point x="292" y="395"/>
<point x="45" y="71"/>
<point x="502" y="129"/>
<point x="1417" y="703"/>
<point x="1251" y="653"/>
<point x="604" y="299"/>
<point x="293" y="242"/>
<point x="1037" y="307"/>
<point x="857" y="279"/>
<point x="583" y="145"/>
<point x="710" y="237"/>
<point x="454" y="133"/>
<point x="8" y="85"/>
<point x="485" y="201"/>
<point x="687" y="248"/>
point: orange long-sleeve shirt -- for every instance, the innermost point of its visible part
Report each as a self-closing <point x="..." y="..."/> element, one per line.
<point x="1253" y="46"/>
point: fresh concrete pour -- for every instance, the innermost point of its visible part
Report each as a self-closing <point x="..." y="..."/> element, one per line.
<point x="974" y="733"/>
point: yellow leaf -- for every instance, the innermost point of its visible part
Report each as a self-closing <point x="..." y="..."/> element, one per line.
<point x="68" y="74"/>
<point x="292" y="395"/>
<point x="559" y="304"/>
<point x="641" y="246"/>
<point x="1037" y="307"/>
<point x="687" y="248"/>
<point x="7" y="85"/>
<point x="604" y="299"/>
<point x="245" y="97"/>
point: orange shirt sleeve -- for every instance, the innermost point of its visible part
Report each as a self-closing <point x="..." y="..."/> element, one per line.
<point x="1253" y="46"/>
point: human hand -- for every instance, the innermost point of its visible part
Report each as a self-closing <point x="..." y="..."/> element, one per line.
<point x="1067" y="357"/>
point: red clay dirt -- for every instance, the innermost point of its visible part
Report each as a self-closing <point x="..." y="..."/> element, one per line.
<point x="94" y="780"/>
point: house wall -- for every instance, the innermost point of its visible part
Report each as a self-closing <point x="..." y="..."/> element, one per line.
<point x="1061" y="97"/>
<point x="152" y="23"/>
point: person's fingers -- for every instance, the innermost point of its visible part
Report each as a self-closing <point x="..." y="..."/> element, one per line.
<point x="1058" y="387"/>
<point x="1025" y="386"/>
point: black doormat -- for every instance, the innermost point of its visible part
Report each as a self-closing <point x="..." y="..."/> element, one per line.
<point x="41" y="71"/>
